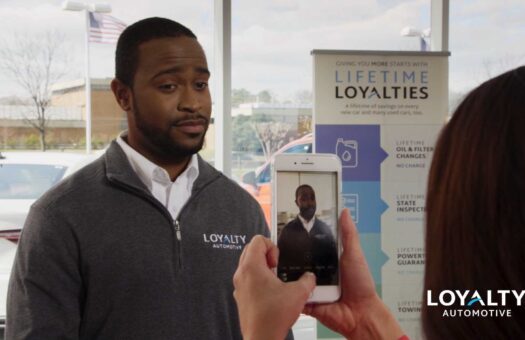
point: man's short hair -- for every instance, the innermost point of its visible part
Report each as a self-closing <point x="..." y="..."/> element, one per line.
<point x="126" y="55"/>
<point x="301" y="187"/>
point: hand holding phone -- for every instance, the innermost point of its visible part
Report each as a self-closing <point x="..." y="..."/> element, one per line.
<point x="360" y="313"/>
<point x="306" y="206"/>
<point x="267" y="307"/>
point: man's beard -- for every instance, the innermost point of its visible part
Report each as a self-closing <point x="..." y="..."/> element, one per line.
<point x="161" y="140"/>
<point x="307" y="213"/>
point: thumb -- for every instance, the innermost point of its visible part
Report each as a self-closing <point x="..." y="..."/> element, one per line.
<point x="305" y="285"/>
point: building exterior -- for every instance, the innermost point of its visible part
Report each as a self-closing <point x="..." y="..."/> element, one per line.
<point x="64" y="129"/>
<point x="67" y="117"/>
<point x="107" y="118"/>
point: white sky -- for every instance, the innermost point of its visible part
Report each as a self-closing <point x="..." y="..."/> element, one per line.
<point x="272" y="39"/>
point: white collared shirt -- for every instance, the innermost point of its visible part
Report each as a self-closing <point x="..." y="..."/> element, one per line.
<point x="307" y="225"/>
<point x="173" y="195"/>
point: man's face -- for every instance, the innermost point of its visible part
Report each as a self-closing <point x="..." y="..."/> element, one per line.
<point x="171" y="102"/>
<point x="305" y="200"/>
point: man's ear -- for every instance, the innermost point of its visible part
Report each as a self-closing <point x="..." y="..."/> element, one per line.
<point x="123" y="94"/>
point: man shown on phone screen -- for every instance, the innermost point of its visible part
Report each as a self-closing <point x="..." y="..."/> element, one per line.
<point x="307" y="244"/>
<point x="143" y="242"/>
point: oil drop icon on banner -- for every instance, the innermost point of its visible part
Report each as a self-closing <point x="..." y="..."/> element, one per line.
<point x="347" y="151"/>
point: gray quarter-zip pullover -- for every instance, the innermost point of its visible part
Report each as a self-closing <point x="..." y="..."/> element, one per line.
<point x="100" y="258"/>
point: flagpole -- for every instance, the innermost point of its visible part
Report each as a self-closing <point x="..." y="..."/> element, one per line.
<point x="68" y="5"/>
<point x="88" y="88"/>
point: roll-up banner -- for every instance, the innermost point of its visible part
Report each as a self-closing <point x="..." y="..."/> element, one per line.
<point x="381" y="112"/>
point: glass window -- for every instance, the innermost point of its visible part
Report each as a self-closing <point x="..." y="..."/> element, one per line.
<point x="60" y="34"/>
<point x="272" y="65"/>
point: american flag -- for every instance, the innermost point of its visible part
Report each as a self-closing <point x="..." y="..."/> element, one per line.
<point x="104" y="28"/>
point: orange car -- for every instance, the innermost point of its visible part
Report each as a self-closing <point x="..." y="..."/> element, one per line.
<point x="258" y="182"/>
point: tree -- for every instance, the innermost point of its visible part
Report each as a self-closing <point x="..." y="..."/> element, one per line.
<point x="35" y="63"/>
<point x="240" y="96"/>
<point x="304" y="125"/>
<point x="303" y="97"/>
<point x="244" y="134"/>
<point x="264" y="96"/>
<point x="272" y="136"/>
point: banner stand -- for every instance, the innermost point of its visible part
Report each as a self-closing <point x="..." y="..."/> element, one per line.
<point x="381" y="112"/>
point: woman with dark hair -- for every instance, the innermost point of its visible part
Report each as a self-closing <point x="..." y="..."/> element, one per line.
<point x="475" y="237"/>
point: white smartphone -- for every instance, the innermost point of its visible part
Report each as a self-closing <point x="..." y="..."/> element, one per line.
<point x="306" y="204"/>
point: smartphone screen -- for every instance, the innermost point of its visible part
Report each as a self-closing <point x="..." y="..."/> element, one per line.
<point x="306" y="207"/>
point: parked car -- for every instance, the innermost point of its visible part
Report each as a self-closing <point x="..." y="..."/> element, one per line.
<point x="258" y="182"/>
<point x="24" y="177"/>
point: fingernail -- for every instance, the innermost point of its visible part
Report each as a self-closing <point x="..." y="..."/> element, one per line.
<point x="310" y="274"/>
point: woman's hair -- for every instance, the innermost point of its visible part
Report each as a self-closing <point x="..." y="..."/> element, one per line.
<point x="475" y="212"/>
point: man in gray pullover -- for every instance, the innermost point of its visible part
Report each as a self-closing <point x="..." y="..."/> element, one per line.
<point x="143" y="242"/>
